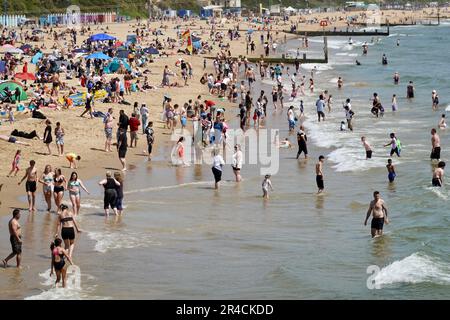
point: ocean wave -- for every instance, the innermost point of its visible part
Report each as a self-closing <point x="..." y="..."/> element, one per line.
<point x="319" y="67"/>
<point x="416" y="268"/>
<point x="122" y="239"/>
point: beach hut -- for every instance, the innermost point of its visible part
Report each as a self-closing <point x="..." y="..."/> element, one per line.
<point x="12" y="86"/>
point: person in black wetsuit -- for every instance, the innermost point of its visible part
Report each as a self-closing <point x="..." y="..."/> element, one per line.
<point x="110" y="198"/>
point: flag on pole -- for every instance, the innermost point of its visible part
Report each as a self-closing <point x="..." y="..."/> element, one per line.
<point x="187" y="35"/>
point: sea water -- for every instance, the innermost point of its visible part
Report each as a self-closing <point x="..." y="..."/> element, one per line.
<point x="180" y="239"/>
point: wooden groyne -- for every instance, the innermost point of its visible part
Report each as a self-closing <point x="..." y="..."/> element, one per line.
<point x="337" y="33"/>
<point x="286" y="60"/>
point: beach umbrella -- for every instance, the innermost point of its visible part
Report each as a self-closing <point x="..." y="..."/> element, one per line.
<point x="14" y="51"/>
<point x="98" y="55"/>
<point x="101" y="37"/>
<point x="12" y="85"/>
<point x="25" y="76"/>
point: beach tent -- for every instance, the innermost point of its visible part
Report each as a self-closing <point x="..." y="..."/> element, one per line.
<point x="98" y="55"/>
<point x="25" y="76"/>
<point x="122" y="53"/>
<point x="12" y="85"/>
<point x="36" y="57"/>
<point x="114" y="65"/>
<point x="151" y="50"/>
<point x="101" y="37"/>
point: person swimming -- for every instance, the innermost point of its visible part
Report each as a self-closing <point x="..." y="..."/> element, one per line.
<point x="438" y="175"/>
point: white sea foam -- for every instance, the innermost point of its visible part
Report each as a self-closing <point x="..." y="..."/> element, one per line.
<point x="319" y="67"/>
<point x="416" y="268"/>
<point x="439" y="192"/>
<point x="123" y="239"/>
<point x="74" y="290"/>
<point x="181" y="185"/>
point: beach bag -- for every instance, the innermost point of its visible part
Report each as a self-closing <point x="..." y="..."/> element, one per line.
<point x="398" y="144"/>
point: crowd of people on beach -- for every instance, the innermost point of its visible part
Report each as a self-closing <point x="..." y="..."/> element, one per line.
<point x="231" y="79"/>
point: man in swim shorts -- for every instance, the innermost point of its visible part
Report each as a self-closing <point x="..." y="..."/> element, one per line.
<point x="435" y="145"/>
<point x="378" y="211"/>
<point x="438" y="175"/>
<point x="15" y="237"/>
<point x="319" y="174"/>
<point x="30" y="185"/>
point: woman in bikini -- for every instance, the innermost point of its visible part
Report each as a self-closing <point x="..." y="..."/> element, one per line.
<point x="60" y="184"/>
<point x="47" y="181"/>
<point x="74" y="186"/>
<point x="58" y="262"/>
<point x="67" y="226"/>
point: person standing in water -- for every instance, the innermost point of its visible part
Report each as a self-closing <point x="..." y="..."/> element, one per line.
<point x="379" y="212"/>
<point x="438" y="175"/>
<point x="301" y="140"/>
<point x="319" y="174"/>
<point x="384" y="60"/>
<point x="442" y="124"/>
<point x="435" y="146"/>
<point x="30" y="185"/>
<point x="395" y="145"/>
<point x="410" y="90"/>
<point x="66" y="226"/>
<point x="218" y="164"/>
<point x="119" y="191"/>
<point x="396" y="78"/>
<point x="15" y="237"/>
<point x="237" y="162"/>
<point x="58" y="262"/>
<point x="367" y="147"/>
<point x="110" y="196"/>
<point x="391" y="171"/>
<point x="266" y="184"/>
<point x="320" y="106"/>
<point x="434" y="100"/>
<point x="340" y="83"/>
<point x="394" y="102"/>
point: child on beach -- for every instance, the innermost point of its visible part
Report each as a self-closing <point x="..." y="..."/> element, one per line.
<point x="73" y="158"/>
<point x="302" y="114"/>
<point x="394" y="102"/>
<point x="342" y="128"/>
<point x="15" y="164"/>
<point x="11" y="115"/>
<point x="265" y="186"/>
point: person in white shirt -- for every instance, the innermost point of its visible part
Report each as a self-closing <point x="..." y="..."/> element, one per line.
<point x="237" y="162"/>
<point x="218" y="163"/>
<point x="144" y="115"/>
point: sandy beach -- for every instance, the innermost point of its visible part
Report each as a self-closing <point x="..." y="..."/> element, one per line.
<point x="85" y="136"/>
